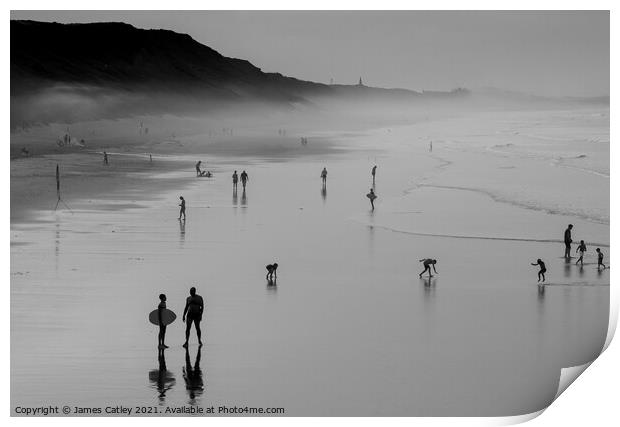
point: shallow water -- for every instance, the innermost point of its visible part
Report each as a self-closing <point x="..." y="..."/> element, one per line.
<point x="349" y="328"/>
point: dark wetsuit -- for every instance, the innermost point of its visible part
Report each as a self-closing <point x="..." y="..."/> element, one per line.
<point x="182" y="211"/>
<point x="567" y="241"/>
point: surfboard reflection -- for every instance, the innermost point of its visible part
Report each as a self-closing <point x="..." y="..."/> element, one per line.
<point x="193" y="376"/>
<point x="161" y="379"/>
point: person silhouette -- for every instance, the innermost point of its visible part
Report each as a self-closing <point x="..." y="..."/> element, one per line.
<point x="428" y="263"/>
<point x="105" y="158"/>
<point x="600" y="257"/>
<point x="372" y="196"/>
<point x="194" y="383"/>
<point x="272" y="269"/>
<point x="194" y="306"/>
<point x="244" y="178"/>
<point x="567" y="240"/>
<point x="324" y="176"/>
<point x="373" y="173"/>
<point x="162" y="327"/>
<point x="581" y="250"/>
<point x="182" y="205"/>
<point x="542" y="271"/>
<point x="235" y="179"/>
<point x="198" y="171"/>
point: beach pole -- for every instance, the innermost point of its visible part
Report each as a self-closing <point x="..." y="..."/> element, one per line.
<point x="58" y="190"/>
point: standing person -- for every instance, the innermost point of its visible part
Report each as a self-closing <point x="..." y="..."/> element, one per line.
<point x="600" y="259"/>
<point x="567" y="240"/>
<point x="182" y="205"/>
<point x="162" y="328"/>
<point x="373" y="173"/>
<point x="431" y="147"/>
<point x="428" y="263"/>
<point x="581" y="250"/>
<point x="542" y="271"/>
<point x="324" y="176"/>
<point x="244" y="178"/>
<point x="105" y="158"/>
<point x="198" y="171"/>
<point x="194" y="307"/>
<point x="235" y="179"/>
<point x="372" y="196"/>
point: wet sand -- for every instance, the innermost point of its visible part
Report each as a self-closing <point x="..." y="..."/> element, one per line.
<point x="349" y="328"/>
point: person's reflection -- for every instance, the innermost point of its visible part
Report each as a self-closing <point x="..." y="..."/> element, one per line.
<point x="581" y="271"/>
<point x="193" y="376"/>
<point x="57" y="247"/>
<point x="541" y="291"/>
<point x="182" y="230"/>
<point x="567" y="266"/>
<point x="429" y="286"/>
<point x="244" y="199"/>
<point x="272" y="284"/>
<point x="234" y="201"/>
<point x="324" y="191"/>
<point x="162" y="379"/>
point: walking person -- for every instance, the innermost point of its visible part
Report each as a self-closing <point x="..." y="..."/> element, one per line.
<point x="600" y="257"/>
<point x="428" y="263"/>
<point x="194" y="306"/>
<point x="542" y="271"/>
<point x="235" y="179"/>
<point x="162" y="327"/>
<point x="324" y="176"/>
<point x="372" y="196"/>
<point x="244" y="178"/>
<point x="105" y="158"/>
<point x="581" y="250"/>
<point x="568" y="240"/>
<point x="182" y="205"/>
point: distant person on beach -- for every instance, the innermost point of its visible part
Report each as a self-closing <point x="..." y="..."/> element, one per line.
<point x="324" y="176"/>
<point x="600" y="257"/>
<point x="198" y="171"/>
<point x="162" y="328"/>
<point x="272" y="269"/>
<point x="235" y="179"/>
<point x="567" y="240"/>
<point x="431" y="147"/>
<point x="581" y="250"/>
<point x="372" y="196"/>
<point x="194" y="307"/>
<point x="428" y="263"/>
<point x="373" y="173"/>
<point x="182" y="205"/>
<point x="151" y="158"/>
<point x="542" y="271"/>
<point x="105" y="158"/>
<point x="244" y="178"/>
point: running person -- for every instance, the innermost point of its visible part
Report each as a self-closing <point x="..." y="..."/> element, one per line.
<point x="244" y="178"/>
<point x="428" y="263"/>
<point x="182" y="205"/>
<point x="194" y="306"/>
<point x="581" y="250"/>
<point x="542" y="271"/>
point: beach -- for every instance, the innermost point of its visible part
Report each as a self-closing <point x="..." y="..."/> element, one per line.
<point x="349" y="329"/>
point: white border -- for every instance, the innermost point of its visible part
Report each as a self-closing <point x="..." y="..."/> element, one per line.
<point x="592" y="400"/>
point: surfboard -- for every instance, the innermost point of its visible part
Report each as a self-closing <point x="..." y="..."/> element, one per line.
<point x="371" y="196"/>
<point x="167" y="317"/>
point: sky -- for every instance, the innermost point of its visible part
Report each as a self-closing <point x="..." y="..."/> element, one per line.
<point x="552" y="53"/>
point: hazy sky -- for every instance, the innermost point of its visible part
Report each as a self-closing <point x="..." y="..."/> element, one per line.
<point x="549" y="53"/>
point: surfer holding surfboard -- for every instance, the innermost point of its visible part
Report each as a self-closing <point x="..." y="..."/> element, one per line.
<point x="372" y="196"/>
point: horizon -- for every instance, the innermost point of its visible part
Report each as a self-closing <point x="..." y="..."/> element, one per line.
<point x="580" y="41"/>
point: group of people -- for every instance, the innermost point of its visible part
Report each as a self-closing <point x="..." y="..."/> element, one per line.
<point x="192" y="314"/>
<point x="581" y="251"/>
